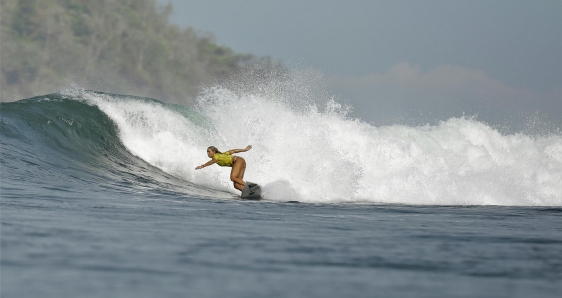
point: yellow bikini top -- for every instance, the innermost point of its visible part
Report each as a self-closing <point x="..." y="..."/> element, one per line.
<point x="223" y="159"/>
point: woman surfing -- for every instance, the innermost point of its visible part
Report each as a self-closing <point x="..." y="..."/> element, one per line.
<point x="226" y="159"/>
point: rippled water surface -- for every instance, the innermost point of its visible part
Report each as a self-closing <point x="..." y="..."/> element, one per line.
<point x="155" y="244"/>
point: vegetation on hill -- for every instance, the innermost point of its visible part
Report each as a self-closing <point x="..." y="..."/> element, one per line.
<point x="121" y="46"/>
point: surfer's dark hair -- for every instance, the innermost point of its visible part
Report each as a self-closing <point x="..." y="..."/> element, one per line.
<point x="214" y="149"/>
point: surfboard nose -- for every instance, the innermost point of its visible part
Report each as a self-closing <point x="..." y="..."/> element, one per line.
<point x="251" y="191"/>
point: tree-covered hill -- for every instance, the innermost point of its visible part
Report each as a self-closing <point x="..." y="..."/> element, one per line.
<point x="121" y="46"/>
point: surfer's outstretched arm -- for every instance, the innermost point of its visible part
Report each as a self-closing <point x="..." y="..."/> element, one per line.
<point x="210" y="162"/>
<point x="232" y="151"/>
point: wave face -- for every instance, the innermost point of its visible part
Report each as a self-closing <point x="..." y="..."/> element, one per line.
<point x="302" y="150"/>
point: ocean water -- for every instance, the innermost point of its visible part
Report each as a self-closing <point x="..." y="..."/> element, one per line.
<point x="99" y="198"/>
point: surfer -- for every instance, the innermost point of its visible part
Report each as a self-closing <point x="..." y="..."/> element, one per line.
<point x="226" y="159"/>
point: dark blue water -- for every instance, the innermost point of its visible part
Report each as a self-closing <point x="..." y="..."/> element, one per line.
<point x="83" y="217"/>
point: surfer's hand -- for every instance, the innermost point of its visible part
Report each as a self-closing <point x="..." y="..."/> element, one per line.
<point x="198" y="167"/>
<point x="248" y="147"/>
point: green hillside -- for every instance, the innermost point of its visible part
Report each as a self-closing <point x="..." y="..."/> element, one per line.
<point x="121" y="46"/>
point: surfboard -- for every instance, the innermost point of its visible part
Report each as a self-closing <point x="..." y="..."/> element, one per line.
<point x="251" y="191"/>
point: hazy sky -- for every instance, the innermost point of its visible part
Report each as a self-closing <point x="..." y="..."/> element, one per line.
<point x="399" y="58"/>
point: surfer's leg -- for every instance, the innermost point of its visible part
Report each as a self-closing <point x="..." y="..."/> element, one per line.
<point x="241" y="176"/>
<point x="237" y="173"/>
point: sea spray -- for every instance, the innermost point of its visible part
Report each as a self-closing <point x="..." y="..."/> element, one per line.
<point x="168" y="137"/>
<point x="327" y="157"/>
<point x="318" y="154"/>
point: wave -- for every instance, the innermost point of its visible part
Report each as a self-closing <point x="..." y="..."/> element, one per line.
<point x="302" y="150"/>
<point x="64" y="144"/>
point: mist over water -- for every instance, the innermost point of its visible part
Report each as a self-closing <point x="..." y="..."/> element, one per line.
<point x="306" y="148"/>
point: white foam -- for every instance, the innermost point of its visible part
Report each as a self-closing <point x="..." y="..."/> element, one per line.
<point x="163" y="137"/>
<point x="313" y="153"/>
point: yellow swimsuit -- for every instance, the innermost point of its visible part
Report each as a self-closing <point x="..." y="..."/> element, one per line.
<point x="223" y="159"/>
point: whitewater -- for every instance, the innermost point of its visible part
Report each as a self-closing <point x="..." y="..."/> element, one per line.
<point x="313" y="152"/>
<point x="99" y="197"/>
